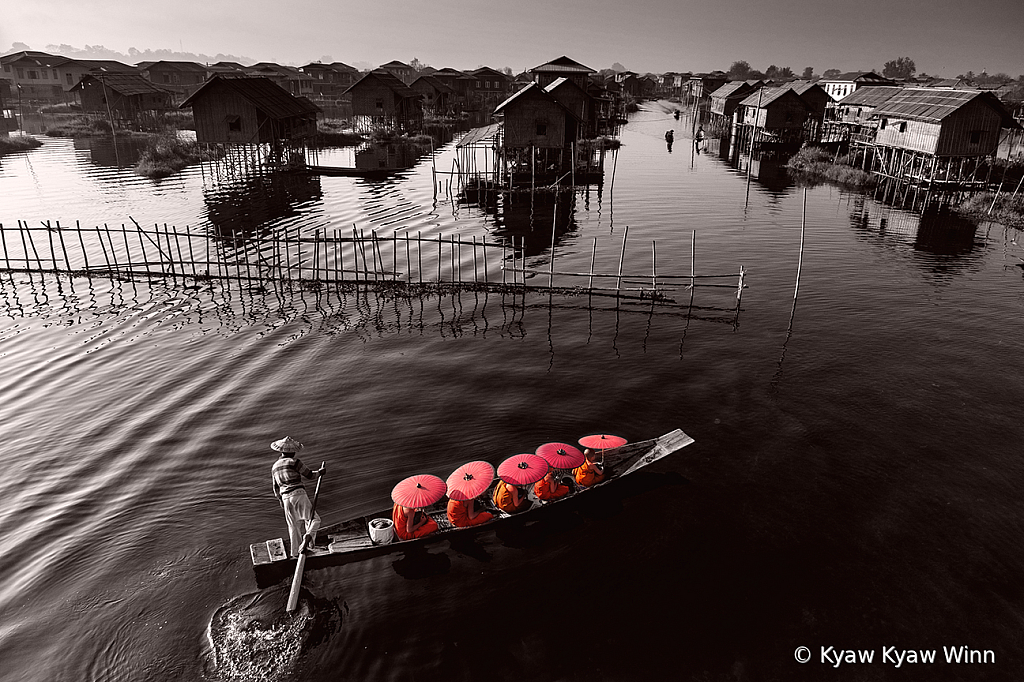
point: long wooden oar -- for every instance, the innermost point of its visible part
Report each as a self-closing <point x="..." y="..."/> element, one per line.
<point x="307" y="539"/>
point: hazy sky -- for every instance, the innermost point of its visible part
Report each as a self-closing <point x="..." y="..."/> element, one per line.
<point x="943" y="37"/>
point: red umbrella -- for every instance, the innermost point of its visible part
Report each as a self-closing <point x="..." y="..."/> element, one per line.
<point x="470" y="480"/>
<point x="602" y="441"/>
<point x="561" y="455"/>
<point x="522" y="469"/>
<point x="421" y="490"/>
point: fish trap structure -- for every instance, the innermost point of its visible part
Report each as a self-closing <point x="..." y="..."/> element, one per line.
<point x="337" y="257"/>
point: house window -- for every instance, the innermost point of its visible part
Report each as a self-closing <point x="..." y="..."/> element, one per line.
<point x="903" y="126"/>
<point x="167" y="78"/>
<point x="67" y="77"/>
<point x="884" y="123"/>
<point x="33" y="75"/>
<point x="975" y="137"/>
<point x="21" y="74"/>
<point x="380" y="105"/>
<point x="7" y="68"/>
<point x="478" y="85"/>
<point x="55" y="75"/>
<point x="46" y="74"/>
<point x="542" y="129"/>
<point x="234" y="122"/>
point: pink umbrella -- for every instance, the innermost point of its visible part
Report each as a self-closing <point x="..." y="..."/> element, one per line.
<point x="470" y="480"/>
<point x="561" y="455"/>
<point x="522" y="469"/>
<point x="421" y="490"/>
<point x="602" y="441"/>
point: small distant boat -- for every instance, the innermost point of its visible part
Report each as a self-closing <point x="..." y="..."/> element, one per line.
<point x="351" y="540"/>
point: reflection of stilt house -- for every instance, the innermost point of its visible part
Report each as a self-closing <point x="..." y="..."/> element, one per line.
<point x="381" y="102"/>
<point x="128" y="100"/>
<point x="939" y="139"/>
<point x="254" y="116"/>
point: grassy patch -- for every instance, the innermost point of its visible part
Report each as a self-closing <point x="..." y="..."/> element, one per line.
<point x="814" y="165"/>
<point x="166" y="155"/>
<point x="19" y="143"/>
<point x="335" y="134"/>
<point x="1008" y="210"/>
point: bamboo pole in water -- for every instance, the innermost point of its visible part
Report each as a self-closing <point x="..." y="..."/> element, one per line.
<point x="103" y="246"/>
<point x="654" y="265"/>
<point x="554" y="224"/>
<point x="476" y="274"/>
<point x="316" y="253"/>
<point x="63" y="247"/>
<point x="53" y="252"/>
<point x="800" y="258"/>
<point x="622" y="257"/>
<point x="593" y="263"/>
<point x="81" y="240"/>
<point x="3" y="240"/>
<point x="439" y="257"/>
<point x="484" y="240"/>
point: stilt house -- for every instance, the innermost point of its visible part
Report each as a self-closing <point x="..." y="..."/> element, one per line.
<point x="249" y="110"/>
<point x="380" y="101"/>
<point x="563" y="67"/>
<point x="944" y="123"/>
<point x="438" y="98"/>
<point x="577" y="100"/>
<point x="776" y="111"/>
<point x="725" y="99"/>
<point x="534" y="118"/>
<point x="129" y="99"/>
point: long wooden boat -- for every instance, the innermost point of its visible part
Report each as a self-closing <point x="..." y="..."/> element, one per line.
<point x="351" y="540"/>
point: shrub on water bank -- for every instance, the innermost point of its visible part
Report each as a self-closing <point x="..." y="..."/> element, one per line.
<point x="814" y="164"/>
<point x="18" y="143"/>
<point x="1008" y="210"/>
<point x="60" y="109"/>
<point x="166" y="155"/>
<point x="330" y="134"/>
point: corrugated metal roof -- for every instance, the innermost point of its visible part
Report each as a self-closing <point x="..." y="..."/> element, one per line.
<point x="562" y="65"/>
<point x="479" y="134"/>
<point x="540" y="91"/>
<point x="870" y="95"/>
<point x="390" y="80"/>
<point x="262" y="93"/>
<point x="127" y="84"/>
<point x="765" y="96"/>
<point x="928" y="104"/>
<point x="732" y="89"/>
<point x="434" y="83"/>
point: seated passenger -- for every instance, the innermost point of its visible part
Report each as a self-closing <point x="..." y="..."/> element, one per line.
<point x="510" y="498"/>
<point x="549" y="488"/>
<point x="411" y="523"/>
<point x="590" y="472"/>
<point x="464" y="514"/>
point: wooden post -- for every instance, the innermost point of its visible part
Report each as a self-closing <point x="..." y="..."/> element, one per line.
<point x="419" y="257"/>
<point x="622" y="257"/>
<point x="554" y="224"/>
<point x="476" y="273"/>
<point x="53" y="252"/>
<point x="593" y="261"/>
<point x="63" y="247"/>
<point x="439" y="257"/>
<point x="800" y="259"/>
<point x="484" y="242"/>
<point x="693" y="260"/>
<point x="191" y="252"/>
<point x="316" y="253"/>
<point x="81" y="240"/>
<point x="340" y="253"/>
<point x="654" y="266"/>
<point x="3" y="240"/>
<point x="99" y="236"/>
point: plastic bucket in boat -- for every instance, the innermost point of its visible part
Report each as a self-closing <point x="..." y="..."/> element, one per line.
<point x="382" y="531"/>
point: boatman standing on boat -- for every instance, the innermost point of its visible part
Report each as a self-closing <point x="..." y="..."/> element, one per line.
<point x="287" y="474"/>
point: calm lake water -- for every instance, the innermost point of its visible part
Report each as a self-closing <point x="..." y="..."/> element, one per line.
<point x="855" y="481"/>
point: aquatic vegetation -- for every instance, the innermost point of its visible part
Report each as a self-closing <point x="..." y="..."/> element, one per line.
<point x="18" y="143"/>
<point x="815" y="165"/>
<point x="1007" y="209"/>
<point x="166" y="155"/>
<point x="335" y="133"/>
